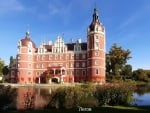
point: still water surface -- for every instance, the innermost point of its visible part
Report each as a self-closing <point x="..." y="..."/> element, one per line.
<point x="38" y="98"/>
<point x="142" y="95"/>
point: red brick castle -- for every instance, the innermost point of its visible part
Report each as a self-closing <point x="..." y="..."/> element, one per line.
<point x="60" y="62"/>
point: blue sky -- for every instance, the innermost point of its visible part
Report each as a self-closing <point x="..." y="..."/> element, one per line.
<point x="127" y="23"/>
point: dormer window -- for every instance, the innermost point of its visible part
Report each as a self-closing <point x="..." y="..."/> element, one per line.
<point x="29" y="44"/>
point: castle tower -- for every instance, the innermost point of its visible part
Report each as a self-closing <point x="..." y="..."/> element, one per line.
<point x="96" y="50"/>
<point x="26" y="49"/>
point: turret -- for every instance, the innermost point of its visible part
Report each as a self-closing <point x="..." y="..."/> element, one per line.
<point x="26" y="49"/>
<point x="96" y="50"/>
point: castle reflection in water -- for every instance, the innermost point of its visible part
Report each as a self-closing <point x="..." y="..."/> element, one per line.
<point x="32" y="98"/>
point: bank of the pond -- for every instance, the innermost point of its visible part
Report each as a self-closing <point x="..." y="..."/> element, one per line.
<point x="106" y="109"/>
<point x="37" y="85"/>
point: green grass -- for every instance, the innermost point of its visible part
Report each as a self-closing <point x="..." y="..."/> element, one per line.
<point x="106" y="109"/>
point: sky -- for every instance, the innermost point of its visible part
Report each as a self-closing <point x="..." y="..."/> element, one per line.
<point x="127" y="23"/>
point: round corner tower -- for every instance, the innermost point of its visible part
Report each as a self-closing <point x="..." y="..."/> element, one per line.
<point x="96" y="50"/>
<point x="26" y="49"/>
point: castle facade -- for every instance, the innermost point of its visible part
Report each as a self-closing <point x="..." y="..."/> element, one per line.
<point x="62" y="62"/>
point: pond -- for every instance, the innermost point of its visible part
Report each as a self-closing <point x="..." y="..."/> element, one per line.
<point x="142" y="96"/>
<point x="39" y="97"/>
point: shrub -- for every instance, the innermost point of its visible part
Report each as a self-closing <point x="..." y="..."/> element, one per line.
<point x="120" y="94"/>
<point x="6" y="95"/>
<point x="71" y="97"/>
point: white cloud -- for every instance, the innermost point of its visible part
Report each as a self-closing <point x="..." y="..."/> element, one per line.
<point x="8" y="6"/>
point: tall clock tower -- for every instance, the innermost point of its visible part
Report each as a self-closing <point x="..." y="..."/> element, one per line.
<point x="96" y="50"/>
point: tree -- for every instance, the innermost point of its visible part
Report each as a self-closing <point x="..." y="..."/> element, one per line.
<point x="5" y="70"/>
<point x="127" y="71"/>
<point x="116" y="60"/>
<point x="1" y="66"/>
<point x="140" y="75"/>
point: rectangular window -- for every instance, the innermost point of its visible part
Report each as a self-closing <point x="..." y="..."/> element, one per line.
<point x="37" y="57"/>
<point x="56" y="57"/>
<point x="71" y="64"/>
<point x="67" y="56"/>
<point x="37" y="66"/>
<point x="43" y="57"/>
<point x="83" y="72"/>
<point x="50" y="57"/>
<point x="18" y="65"/>
<point x="37" y="73"/>
<point x="83" y="64"/>
<point x="29" y="65"/>
<point x="67" y="65"/>
<point x="77" y="72"/>
<point x="61" y="57"/>
<point x="96" y="71"/>
<point x="72" y="56"/>
<point x="29" y="73"/>
<point x="77" y="64"/>
<point x="77" y="56"/>
<point x="83" y="56"/>
<point x="97" y="53"/>
<point x="96" y="62"/>
<point x="43" y="65"/>
<point x="72" y="72"/>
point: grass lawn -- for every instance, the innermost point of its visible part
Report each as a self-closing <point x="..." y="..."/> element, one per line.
<point x="108" y="109"/>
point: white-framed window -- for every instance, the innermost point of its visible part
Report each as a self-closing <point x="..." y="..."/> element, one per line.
<point x="18" y="65"/>
<point x="96" y="45"/>
<point x="96" y="53"/>
<point x="77" y="64"/>
<point x="72" y="72"/>
<point x="18" y="73"/>
<point x="96" y="62"/>
<point x="71" y="64"/>
<point x="72" y="56"/>
<point x="83" y="64"/>
<point x="61" y="57"/>
<point x="77" y="56"/>
<point x="43" y="65"/>
<point x="29" y="44"/>
<point x="37" y="73"/>
<point x="67" y="56"/>
<point x="37" y="66"/>
<point x="29" y="50"/>
<point x="43" y="57"/>
<point x="29" y="65"/>
<point x="29" y="73"/>
<point x="77" y="72"/>
<point x="96" y="38"/>
<point x="37" y="57"/>
<point x="83" y="56"/>
<point x="56" y="57"/>
<point x="67" y="65"/>
<point x="50" y="57"/>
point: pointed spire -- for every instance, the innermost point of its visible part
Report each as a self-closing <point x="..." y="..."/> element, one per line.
<point x="95" y="16"/>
